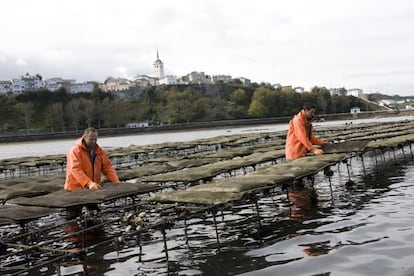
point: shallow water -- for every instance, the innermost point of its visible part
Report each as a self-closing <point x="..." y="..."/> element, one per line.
<point x="368" y="230"/>
<point x="51" y="147"/>
<point x="361" y="224"/>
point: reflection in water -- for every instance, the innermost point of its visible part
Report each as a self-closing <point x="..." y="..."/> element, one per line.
<point x="317" y="248"/>
<point x="81" y="238"/>
<point x="357" y="220"/>
<point x="303" y="202"/>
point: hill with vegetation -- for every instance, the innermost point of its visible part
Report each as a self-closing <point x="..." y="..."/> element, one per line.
<point x="61" y="111"/>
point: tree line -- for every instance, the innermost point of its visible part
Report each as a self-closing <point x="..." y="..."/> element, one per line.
<point x="62" y="111"/>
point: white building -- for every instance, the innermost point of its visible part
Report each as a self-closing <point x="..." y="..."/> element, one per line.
<point x="299" y="89"/>
<point x="144" y="81"/>
<point x="277" y="86"/>
<point x="137" y="125"/>
<point x="5" y="87"/>
<point x="18" y="86"/>
<point x="245" y="81"/>
<point x="337" y="91"/>
<point x="356" y="92"/>
<point x="158" y="68"/>
<point x="115" y="84"/>
<point x="221" y="79"/>
<point x="81" y="87"/>
<point x="53" y="84"/>
<point x="385" y="102"/>
<point x="168" y="80"/>
<point x="27" y="82"/>
<point x="355" y="110"/>
<point x="198" y="78"/>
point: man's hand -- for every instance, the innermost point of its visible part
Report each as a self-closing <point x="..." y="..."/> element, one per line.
<point x="317" y="151"/>
<point x="93" y="185"/>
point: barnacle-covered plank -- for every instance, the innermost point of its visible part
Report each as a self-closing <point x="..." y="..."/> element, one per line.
<point x="108" y="191"/>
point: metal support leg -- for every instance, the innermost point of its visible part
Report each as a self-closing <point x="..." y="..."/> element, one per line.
<point x="403" y="152"/>
<point x="215" y="226"/>
<point x="164" y="237"/>
<point x="139" y="246"/>
<point x="363" y="165"/>
<point x="350" y="182"/>
<point x="258" y="213"/>
<point x="331" y="189"/>
<point x="289" y="202"/>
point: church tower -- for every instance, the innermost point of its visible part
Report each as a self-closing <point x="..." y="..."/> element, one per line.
<point x="158" y="68"/>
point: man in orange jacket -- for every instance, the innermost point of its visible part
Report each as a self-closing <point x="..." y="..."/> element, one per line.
<point x="300" y="137"/>
<point x="86" y="161"/>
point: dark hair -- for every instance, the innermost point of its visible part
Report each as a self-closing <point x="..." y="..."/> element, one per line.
<point x="308" y="106"/>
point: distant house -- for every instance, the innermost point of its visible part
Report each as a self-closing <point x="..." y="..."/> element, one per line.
<point x="197" y="78"/>
<point x="144" y="81"/>
<point x="168" y="80"/>
<point x="27" y="82"/>
<point x="115" y="84"/>
<point x="53" y="84"/>
<point x="245" y="81"/>
<point x="221" y="79"/>
<point x="277" y="86"/>
<point x="299" y="89"/>
<point x="137" y="125"/>
<point x="82" y="87"/>
<point x="355" y="110"/>
<point x="385" y="102"/>
<point x="338" y="91"/>
<point x="356" y="92"/>
<point x="5" y="87"/>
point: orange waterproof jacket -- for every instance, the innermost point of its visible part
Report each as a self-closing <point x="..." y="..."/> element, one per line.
<point x="80" y="169"/>
<point x="300" y="138"/>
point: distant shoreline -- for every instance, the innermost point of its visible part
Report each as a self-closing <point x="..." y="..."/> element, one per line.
<point x="113" y="132"/>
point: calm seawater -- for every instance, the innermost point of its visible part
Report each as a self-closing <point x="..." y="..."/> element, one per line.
<point x="363" y="227"/>
<point x="51" y="147"/>
<point x="362" y="223"/>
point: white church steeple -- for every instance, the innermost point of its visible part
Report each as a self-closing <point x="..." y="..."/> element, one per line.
<point x="158" y="67"/>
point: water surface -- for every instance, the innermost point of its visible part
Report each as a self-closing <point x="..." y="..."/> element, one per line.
<point x="358" y="227"/>
<point x="362" y="223"/>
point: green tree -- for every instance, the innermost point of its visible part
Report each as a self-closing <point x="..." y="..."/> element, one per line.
<point x="9" y="109"/>
<point x="320" y="96"/>
<point x="257" y="109"/>
<point x="239" y="97"/>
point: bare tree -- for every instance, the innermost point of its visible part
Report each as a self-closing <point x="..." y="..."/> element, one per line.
<point x="28" y="111"/>
<point x="72" y="113"/>
<point x="55" y="116"/>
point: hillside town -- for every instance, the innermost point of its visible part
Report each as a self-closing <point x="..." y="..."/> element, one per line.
<point x="30" y="82"/>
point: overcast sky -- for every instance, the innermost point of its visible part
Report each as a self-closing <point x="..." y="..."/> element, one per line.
<point x="367" y="44"/>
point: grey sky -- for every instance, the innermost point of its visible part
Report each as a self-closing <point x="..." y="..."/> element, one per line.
<point x="366" y="44"/>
